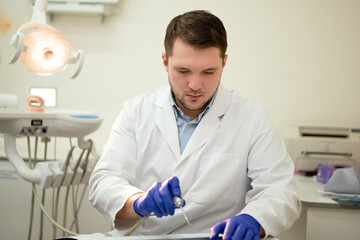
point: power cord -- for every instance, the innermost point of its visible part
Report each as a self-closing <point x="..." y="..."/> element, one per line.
<point x="32" y="194"/>
<point x="47" y="214"/>
<point x="137" y="224"/>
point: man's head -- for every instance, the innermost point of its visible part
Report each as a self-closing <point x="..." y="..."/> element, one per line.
<point x="195" y="45"/>
<point x="200" y="29"/>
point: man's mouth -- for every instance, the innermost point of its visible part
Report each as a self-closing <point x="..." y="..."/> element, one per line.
<point x="194" y="96"/>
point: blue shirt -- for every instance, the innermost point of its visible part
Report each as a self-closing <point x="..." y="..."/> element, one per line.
<point x="186" y="126"/>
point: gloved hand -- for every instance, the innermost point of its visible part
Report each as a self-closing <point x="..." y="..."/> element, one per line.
<point x="238" y="227"/>
<point x="159" y="198"/>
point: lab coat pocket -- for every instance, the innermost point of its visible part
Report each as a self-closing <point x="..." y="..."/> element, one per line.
<point x="215" y="178"/>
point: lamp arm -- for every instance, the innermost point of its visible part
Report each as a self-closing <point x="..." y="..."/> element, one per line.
<point x="17" y="41"/>
<point x="24" y="171"/>
<point x="39" y="13"/>
<point x="80" y="56"/>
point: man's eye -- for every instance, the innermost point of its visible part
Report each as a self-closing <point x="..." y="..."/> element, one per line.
<point x="209" y="72"/>
<point x="182" y="71"/>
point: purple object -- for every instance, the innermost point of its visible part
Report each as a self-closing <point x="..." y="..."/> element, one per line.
<point x="325" y="171"/>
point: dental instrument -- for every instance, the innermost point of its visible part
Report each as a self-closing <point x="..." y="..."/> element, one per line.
<point x="178" y="203"/>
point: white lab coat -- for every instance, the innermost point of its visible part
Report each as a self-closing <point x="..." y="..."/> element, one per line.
<point x="234" y="163"/>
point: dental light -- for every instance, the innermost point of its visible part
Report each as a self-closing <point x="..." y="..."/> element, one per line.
<point x="41" y="48"/>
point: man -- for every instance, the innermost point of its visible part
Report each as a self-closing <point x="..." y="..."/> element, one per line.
<point x="196" y="140"/>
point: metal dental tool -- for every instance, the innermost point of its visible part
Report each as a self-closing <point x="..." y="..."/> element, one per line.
<point x="178" y="202"/>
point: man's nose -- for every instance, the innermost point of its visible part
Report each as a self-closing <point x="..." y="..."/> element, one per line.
<point x="195" y="82"/>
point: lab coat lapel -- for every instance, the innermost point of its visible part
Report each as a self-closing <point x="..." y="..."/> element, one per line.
<point x="209" y="124"/>
<point x="165" y="121"/>
<point x="207" y="127"/>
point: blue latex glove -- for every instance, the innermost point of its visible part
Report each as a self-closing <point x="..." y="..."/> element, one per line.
<point x="238" y="227"/>
<point x="159" y="198"/>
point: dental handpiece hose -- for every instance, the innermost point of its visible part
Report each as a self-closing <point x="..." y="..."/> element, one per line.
<point x="178" y="202"/>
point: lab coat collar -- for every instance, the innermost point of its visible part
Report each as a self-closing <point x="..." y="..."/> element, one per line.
<point x="165" y="120"/>
<point x="221" y="101"/>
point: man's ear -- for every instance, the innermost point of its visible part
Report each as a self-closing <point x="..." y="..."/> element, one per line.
<point x="225" y="59"/>
<point x="165" y="61"/>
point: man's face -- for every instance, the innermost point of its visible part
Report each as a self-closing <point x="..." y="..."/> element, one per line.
<point x="194" y="75"/>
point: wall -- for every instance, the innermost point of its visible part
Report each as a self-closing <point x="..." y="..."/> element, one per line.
<point x="299" y="58"/>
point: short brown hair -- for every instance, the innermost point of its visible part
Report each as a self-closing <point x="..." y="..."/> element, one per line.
<point x="198" y="28"/>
